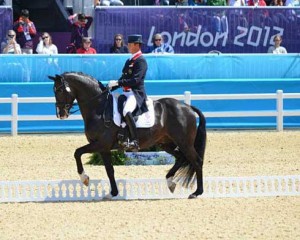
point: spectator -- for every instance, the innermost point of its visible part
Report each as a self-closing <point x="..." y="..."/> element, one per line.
<point x="86" y="48"/>
<point x="26" y="31"/>
<point x="216" y="2"/>
<point x="108" y="3"/>
<point x="260" y="3"/>
<point x="79" y="28"/>
<point x="277" y="49"/>
<point x="159" y="46"/>
<point x="45" y="45"/>
<point x="181" y="2"/>
<point x="11" y="46"/>
<point x="119" y="46"/>
<point x="236" y="3"/>
<point x="276" y="3"/>
<point x="161" y="2"/>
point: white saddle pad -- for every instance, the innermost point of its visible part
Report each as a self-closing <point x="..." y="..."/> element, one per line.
<point x="146" y="120"/>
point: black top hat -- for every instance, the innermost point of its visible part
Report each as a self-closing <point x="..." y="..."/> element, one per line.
<point x="135" y="38"/>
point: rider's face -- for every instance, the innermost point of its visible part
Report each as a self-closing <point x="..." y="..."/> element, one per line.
<point x="133" y="47"/>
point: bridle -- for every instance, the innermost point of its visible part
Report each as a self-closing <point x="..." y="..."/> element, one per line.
<point x="68" y="97"/>
<point x="65" y="89"/>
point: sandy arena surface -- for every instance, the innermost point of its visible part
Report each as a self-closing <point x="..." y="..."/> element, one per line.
<point x="232" y="153"/>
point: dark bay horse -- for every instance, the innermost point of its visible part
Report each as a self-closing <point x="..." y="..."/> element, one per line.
<point x="175" y="130"/>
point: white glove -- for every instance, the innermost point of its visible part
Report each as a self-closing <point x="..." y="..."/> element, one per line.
<point x="113" y="83"/>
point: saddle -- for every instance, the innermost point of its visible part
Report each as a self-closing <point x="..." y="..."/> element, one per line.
<point x="113" y="112"/>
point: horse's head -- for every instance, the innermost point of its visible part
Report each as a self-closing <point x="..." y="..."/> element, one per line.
<point x="63" y="95"/>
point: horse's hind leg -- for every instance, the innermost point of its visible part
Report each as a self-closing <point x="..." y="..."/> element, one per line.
<point x="197" y="163"/>
<point x="179" y="157"/>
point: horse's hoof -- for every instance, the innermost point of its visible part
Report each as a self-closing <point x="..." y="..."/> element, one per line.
<point x="85" y="179"/>
<point x="108" y="197"/>
<point x="171" y="184"/>
<point x="192" y="196"/>
<point x="86" y="182"/>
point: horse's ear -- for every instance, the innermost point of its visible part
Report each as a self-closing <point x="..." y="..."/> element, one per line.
<point x="102" y="87"/>
<point x="52" y="78"/>
<point x="58" y="76"/>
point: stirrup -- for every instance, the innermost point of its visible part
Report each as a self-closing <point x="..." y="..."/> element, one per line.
<point x="131" y="145"/>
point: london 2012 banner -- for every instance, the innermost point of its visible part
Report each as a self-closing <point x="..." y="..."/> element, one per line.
<point x="202" y="29"/>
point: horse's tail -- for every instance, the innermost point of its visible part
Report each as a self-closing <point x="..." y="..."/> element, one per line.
<point x="186" y="170"/>
<point x="200" y="140"/>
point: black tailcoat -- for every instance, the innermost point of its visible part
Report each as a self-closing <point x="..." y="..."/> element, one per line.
<point x="134" y="72"/>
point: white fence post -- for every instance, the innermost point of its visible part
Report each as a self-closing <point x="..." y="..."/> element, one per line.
<point x="279" y="104"/>
<point x="14" y="115"/>
<point x="187" y="97"/>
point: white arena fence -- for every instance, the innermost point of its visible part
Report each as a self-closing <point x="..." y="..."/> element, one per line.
<point x="187" y="97"/>
<point x="129" y="189"/>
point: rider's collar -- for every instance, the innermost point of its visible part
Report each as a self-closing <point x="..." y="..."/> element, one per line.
<point x="136" y="55"/>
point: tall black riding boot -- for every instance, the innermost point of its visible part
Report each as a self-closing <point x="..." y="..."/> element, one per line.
<point x="133" y="144"/>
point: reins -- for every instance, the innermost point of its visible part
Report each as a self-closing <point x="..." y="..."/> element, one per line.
<point x="91" y="99"/>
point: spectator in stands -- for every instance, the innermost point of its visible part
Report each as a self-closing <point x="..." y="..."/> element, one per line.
<point x="45" y="45"/>
<point x="277" y="49"/>
<point x="236" y="3"/>
<point x="161" y="2"/>
<point x="256" y="3"/>
<point x="276" y="3"/>
<point x="181" y="2"/>
<point x="293" y="13"/>
<point x="79" y="28"/>
<point x="26" y="31"/>
<point x="108" y="3"/>
<point x="10" y="46"/>
<point x="86" y="47"/>
<point x="159" y="46"/>
<point x="119" y="46"/>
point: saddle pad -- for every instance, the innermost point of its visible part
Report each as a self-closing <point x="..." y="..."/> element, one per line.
<point x="146" y="120"/>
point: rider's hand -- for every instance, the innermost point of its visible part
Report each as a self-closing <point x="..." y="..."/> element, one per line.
<point x="113" y="83"/>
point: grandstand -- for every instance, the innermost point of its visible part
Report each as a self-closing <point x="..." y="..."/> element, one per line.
<point x="234" y="70"/>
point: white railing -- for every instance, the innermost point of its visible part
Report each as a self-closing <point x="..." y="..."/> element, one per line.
<point x="214" y="187"/>
<point x="187" y="97"/>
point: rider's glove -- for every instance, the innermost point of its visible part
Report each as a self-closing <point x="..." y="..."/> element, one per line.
<point x="113" y="83"/>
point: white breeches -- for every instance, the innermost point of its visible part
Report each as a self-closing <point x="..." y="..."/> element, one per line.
<point x="130" y="103"/>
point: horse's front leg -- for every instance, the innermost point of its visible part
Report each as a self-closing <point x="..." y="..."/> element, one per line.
<point x="106" y="156"/>
<point x="89" y="148"/>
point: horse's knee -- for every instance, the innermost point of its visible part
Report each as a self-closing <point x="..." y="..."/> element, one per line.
<point x="77" y="154"/>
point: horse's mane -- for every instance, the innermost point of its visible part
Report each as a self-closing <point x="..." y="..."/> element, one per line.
<point x="85" y="78"/>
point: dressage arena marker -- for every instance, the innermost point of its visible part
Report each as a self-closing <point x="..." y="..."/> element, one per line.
<point x="129" y="189"/>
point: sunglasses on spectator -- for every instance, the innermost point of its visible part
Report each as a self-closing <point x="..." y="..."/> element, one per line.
<point x="159" y="39"/>
<point x="44" y="37"/>
<point x="11" y="35"/>
<point x="118" y="39"/>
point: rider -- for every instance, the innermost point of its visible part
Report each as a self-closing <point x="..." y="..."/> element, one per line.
<point x="132" y="82"/>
